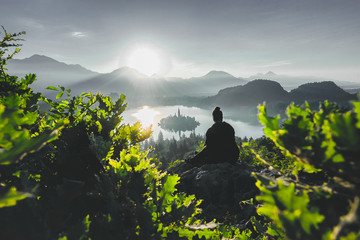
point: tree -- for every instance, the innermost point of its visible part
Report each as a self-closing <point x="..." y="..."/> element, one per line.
<point x="173" y="147"/>
<point x="160" y="142"/>
<point x="160" y="137"/>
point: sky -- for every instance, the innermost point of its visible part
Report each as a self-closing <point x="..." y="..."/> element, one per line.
<point x="318" y="38"/>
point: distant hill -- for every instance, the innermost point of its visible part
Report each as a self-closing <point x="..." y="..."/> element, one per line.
<point x="217" y="75"/>
<point x="44" y="63"/>
<point x="123" y="80"/>
<point x="223" y="87"/>
<point x="320" y="91"/>
<point x="49" y="71"/>
<point x="141" y="88"/>
<point x="213" y="81"/>
<point x="252" y="93"/>
<point x="267" y="75"/>
<point x="292" y="82"/>
<point x="353" y="90"/>
<point x="138" y="88"/>
<point x="258" y="91"/>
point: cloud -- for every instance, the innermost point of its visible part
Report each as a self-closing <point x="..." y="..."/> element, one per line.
<point x="276" y="64"/>
<point x="78" y="34"/>
<point x="30" y="23"/>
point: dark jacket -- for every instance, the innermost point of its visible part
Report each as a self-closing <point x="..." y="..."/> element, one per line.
<point x="220" y="143"/>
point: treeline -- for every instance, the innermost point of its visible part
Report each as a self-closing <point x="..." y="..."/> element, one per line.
<point x="170" y="152"/>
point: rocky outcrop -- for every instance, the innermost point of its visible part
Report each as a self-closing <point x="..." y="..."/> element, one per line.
<point x="222" y="187"/>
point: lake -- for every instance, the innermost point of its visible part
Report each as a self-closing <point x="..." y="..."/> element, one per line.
<point x="148" y="115"/>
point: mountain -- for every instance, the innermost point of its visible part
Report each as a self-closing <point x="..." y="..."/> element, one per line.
<point x="44" y="63"/>
<point x="49" y="71"/>
<point x="217" y="75"/>
<point x="353" y="90"/>
<point x="123" y="80"/>
<point x="259" y="91"/>
<point x="128" y="81"/>
<point x="129" y="73"/>
<point x="133" y="84"/>
<point x="320" y="91"/>
<point x="252" y="93"/>
<point x="288" y="82"/>
<point x="214" y="81"/>
<point x="224" y="88"/>
<point x="267" y="75"/>
<point x="291" y="82"/>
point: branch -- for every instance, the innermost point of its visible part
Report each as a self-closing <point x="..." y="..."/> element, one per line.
<point x="348" y="219"/>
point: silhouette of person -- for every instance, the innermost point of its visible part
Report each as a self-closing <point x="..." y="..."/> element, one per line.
<point x="220" y="145"/>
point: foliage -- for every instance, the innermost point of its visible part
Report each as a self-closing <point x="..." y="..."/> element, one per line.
<point x="8" y="41"/>
<point x="85" y="171"/>
<point x="320" y="143"/>
<point x="11" y="197"/>
<point x="17" y="114"/>
<point x="263" y="152"/>
<point x="167" y="151"/>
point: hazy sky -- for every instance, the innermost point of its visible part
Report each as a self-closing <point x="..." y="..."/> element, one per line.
<point x="243" y="37"/>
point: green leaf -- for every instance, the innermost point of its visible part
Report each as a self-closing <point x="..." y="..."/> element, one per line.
<point x="30" y="78"/>
<point x="288" y="207"/>
<point x="344" y="129"/>
<point x="171" y="181"/>
<point x="59" y="95"/>
<point x="52" y="88"/>
<point x="11" y="197"/>
<point x="86" y="223"/>
<point x="23" y="145"/>
<point x="271" y="123"/>
<point x="357" y="112"/>
<point x="13" y="101"/>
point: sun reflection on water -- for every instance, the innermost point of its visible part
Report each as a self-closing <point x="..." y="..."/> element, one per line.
<point x="146" y="116"/>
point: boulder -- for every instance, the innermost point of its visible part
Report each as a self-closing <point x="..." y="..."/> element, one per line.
<point x="223" y="188"/>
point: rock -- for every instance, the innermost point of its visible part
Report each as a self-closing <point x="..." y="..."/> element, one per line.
<point x="222" y="187"/>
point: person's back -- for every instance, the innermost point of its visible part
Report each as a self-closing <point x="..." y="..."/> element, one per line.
<point x="220" y="141"/>
<point x="220" y="145"/>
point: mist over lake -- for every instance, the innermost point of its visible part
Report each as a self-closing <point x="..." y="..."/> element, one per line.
<point x="203" y="116"/>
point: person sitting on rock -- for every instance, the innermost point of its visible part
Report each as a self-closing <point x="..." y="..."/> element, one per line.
<point x="220" y="145"/>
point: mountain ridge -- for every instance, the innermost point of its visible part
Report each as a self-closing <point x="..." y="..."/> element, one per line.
<point x="217" y="86"/>
<point x="217" y="74"/>
<point x="49" y="71"/>
<point x="42" y="59"/>
<point x="258" y="91"/>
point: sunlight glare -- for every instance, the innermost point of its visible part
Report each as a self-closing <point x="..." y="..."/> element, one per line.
<point x="146" y="116"/>
<point x="146" y="60"/>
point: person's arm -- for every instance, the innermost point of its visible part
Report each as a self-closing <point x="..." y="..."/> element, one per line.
<point x="207" y="137"/>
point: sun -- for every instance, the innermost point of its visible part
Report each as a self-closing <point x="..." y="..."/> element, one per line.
<point x="146" y="60"/>
<point x="149" y="59"/>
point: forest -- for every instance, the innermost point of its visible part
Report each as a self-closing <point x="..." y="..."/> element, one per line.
<point x="76" y="171"/>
